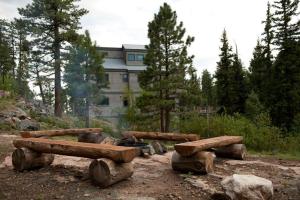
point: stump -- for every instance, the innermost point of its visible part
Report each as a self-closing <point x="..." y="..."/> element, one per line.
<point x="25" y="159"/>
<point x="201" y="162"/>
<point x="91" y="137"/>
<point x="105" y="172"/>
<point x="236" y="151"/>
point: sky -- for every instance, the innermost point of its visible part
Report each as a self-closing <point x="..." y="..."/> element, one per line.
<point x="115" y="22"/>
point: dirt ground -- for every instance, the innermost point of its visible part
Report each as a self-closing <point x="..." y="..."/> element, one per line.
<point x="153" y="179"/>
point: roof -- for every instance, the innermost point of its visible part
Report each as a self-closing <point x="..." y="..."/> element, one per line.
<point x="119" y="64"/>
<point x="133" y="47"/>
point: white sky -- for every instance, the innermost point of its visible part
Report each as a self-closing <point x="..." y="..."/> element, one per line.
<point x="117" y="22"/>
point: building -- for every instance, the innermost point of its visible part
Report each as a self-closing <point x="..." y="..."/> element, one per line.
<point x="121" y="66"/>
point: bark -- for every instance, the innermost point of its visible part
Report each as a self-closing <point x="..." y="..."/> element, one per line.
<point x="161" y="136"/>
<point x="79" y="149"/>
<point x="105" y="172"/>
<point x="236" y="151"/>
<point x="25" y="159"/>
<point x="190" y="148"/>
<point x="57" y="70"/>
<point x="202" y="162"/>
<point x="62" y="132"/>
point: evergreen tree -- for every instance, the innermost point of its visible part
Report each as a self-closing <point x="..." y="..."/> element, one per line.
<point x="223" y="75"/>
<point x="239" y="86"/>
<point x="84" y="73"/>
<point x="230" y="80"/>
<point x="286" y="24"/>
<point x="168" y="62"/>
<point x="52" y="23"/>
<point x="258" y="69"/>
<point x="285" y="74"/>
<point x="207" y="87"/>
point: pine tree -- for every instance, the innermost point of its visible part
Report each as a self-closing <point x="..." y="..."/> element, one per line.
<point x="84" y="73"/>
<point x="285" y="82"/>
<point x="239" y="86"/>
<point x="168" y="62"/>
<point x="231" y="82"/>
<point x="223" y="74"/>
<point x="207" y="87"/>
<point x="258" y="69"/>
<point x="287" y="28"/>
<point x="52" y="23"/>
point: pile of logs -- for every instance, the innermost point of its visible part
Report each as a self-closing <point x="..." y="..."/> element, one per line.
<point x="198" y="156"/>
<point x="110" y="164"/>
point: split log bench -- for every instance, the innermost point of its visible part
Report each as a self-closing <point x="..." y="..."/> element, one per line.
<point x="161" y="136"/>
<point x="89" y="135"/>
<point x="196" y="156"/>
<point x="111" y="165"/>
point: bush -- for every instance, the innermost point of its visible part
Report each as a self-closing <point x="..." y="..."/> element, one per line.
<point x="259" y="136"/>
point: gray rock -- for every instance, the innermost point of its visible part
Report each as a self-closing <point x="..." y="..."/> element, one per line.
<point x="91" y="137"/>
<point x="247" y="187"/>
<point x="158" y="147"/>
<point x="28" y="125"/>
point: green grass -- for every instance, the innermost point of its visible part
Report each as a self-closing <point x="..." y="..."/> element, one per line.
<point x="285" y="156"/>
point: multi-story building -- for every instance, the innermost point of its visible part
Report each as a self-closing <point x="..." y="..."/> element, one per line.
<point x="121" y="66"/>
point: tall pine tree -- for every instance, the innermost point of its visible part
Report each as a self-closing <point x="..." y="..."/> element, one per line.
<point x="285" y="91"/>
<point x="230" y="80"/>
<point x="168" y="62"/>
<point x="52" y="23"/>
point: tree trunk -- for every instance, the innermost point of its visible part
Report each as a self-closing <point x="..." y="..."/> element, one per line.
<point x="161" y="136"/>
<point x="236" y="151"/>
<point x="58" y="92"/>
<point x="25" y="159"/>
<point x="79" y="149"/>
<point x="202" y="162"/>
<point x="39" y="82"/>
<point x="62" y="132"/>
<point x="167" y="125"/>
<point x="105" y="172"/>
<point x="190" y="148"/>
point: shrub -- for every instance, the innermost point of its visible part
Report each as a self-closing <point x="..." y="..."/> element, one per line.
<point x="257" y="136"/>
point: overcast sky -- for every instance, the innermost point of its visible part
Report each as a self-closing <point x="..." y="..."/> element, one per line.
<point x="116" y="22"/>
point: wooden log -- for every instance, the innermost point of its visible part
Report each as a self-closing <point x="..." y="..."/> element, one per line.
<point x="105" y="172"/>
<point x="236" y="151"/>
<point x="202" y="162"/>
<point x="62" y="132"/>
<point x="91" y="137"/>
<point x="190" y="148"/>
<point x="161" y="136"/>
<point x="25" y="159"/>
<point x="80" y="149"/>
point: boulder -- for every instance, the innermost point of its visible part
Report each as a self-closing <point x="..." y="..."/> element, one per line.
<point x="247" y="187"/>
<point x="159" y="147"/>
<point x="28" y="125"/>
<point x="110" y="140"/>
<point x="91" y="137"/>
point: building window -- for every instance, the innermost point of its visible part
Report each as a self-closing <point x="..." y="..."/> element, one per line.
<point x="125" y="78"/>
<point x="139" y="57"/>
<point x="125" y="102"/>
<point x="107" y="78"/>
<point x="104" y="101"/>
<point x="131" y="57"/>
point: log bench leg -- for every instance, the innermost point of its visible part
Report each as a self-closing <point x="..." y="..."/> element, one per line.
<point x="236" y="151"/>
<point x="105" y="172"/>
<point x="202" y="162"/>
<point x="26" y="159"/>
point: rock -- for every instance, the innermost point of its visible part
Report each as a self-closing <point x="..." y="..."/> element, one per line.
<point x="110" y="140"/>
<point x="28" y="125"/>
<point x="158" y="147"/>
<point x="247" y="187"/>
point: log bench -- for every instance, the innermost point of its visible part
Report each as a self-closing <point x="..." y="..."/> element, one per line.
<point x="111" y="163"/>
<point x="161" y="136"/>
<point x="198" y="156"/>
